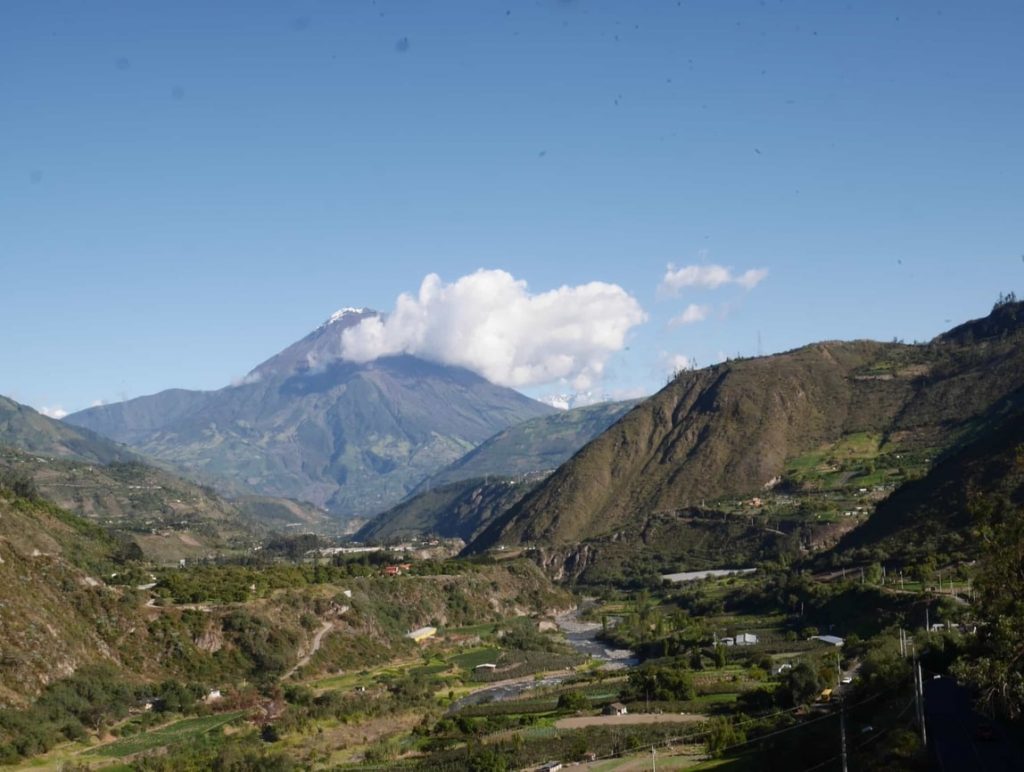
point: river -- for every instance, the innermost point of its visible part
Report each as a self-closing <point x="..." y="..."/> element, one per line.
<point x="582" y="636"/>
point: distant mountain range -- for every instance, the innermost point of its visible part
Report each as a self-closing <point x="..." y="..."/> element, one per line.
<point x="732" y="430"/>
<point x="168" y="516"/>
<point x="456" y="510"/>
<point x="308" y="425"/>
<point x="463" y="498"/>
<point x="538" y="445"/>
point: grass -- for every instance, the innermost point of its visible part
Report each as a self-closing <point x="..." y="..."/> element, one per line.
<point x="172" y="734"/>
<point x="486" y="628"/>
<point x="470" y="659"/>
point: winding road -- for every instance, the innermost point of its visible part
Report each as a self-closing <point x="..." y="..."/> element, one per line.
<point x="313" y="649"/>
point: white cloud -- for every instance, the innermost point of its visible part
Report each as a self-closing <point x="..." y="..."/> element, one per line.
<point x="675" y="363"/>
<point x="97" y="403"/>
<point x="53" y="412"/>
<point x="752" y="277"/>
<point x="707" y="277"/>
<point x="490" y="323"/>
<point x="691" y="314"/>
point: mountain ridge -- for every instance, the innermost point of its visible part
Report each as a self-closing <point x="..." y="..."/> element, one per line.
<point x="728" y="430"/>
<point x="354" y="438"/>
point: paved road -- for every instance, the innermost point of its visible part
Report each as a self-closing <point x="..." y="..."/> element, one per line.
<point x="961" y="739"/>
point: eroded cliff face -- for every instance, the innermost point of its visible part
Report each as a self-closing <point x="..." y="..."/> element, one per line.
<point x="566" y="564"/>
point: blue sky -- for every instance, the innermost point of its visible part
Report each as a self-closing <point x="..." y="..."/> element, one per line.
<point x="188" y="187"/>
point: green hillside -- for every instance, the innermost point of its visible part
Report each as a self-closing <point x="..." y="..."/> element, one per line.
<point x="742" y="429"/>
<point x="538" y="445"/>
<point x="456" y="510"/>
<point x="24" y="428"/>
<point x="933" y="517"/>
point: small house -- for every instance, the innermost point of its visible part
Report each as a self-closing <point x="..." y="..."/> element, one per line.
<point x="485" y="667"/>
<point x="727" y="641"/>
<point x="615" y="709"/>
<point x="746" y="639"/>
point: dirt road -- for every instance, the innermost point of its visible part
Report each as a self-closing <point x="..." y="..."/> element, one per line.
<point x="313" y="649"/>
<point x="578" y="722"/>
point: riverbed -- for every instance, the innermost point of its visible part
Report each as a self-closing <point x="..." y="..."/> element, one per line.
<point x="582" y="636"/>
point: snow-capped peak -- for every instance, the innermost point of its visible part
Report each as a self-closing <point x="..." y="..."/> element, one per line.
<point x="346" y="315"/>
<point x="343" y="312"/>
<point x="576" y="399"/>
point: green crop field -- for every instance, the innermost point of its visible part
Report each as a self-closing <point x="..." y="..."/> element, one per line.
<point x="178" y="732"/>
<point x="471" y="659"/>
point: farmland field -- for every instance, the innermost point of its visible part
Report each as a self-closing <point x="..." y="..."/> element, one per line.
<point x="178" y="732"/>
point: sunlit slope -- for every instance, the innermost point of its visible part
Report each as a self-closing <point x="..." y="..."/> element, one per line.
<point x="26" y="429"/>
<point x="729" y="430"/>
<point x="936" y="514"/>
<point x="538" y="445"/>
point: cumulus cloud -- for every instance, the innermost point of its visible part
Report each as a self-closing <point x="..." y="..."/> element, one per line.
<point x="53" y="412"/>
<point x="676" y="363"/>
<point x="489" y="322"/>
<point x="709" y="276"/>
<point x="691" y="314"/>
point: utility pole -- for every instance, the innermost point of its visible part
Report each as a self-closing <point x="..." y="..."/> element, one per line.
<point x="901" y="581"/>
<point x="842" y="732"/>
<point x="654" y="761"/>
<point x="918" y="713"/>
<point x="920" y="698"/>
<point x="927" y="622"/>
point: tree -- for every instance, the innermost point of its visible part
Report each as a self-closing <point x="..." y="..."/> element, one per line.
<point x="573" y="701"/>
<point x="1005" y="300"/>
<point x="721" y="658"/>
<point x="996" y="666"/>
<point x="800" y="685"/>
<point x="722" y="734"/>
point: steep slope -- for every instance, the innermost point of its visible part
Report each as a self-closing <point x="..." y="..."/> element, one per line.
<point x="457" y="510"/>
<point x="168" y="516"/>
<point x="729" y="430"/>
<point x="538" y="445"/>
<point x="933" y="515"/>
<point x="23" y="428"/>
<point x="354" y="438"/>
<point x="50" y="596"/>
